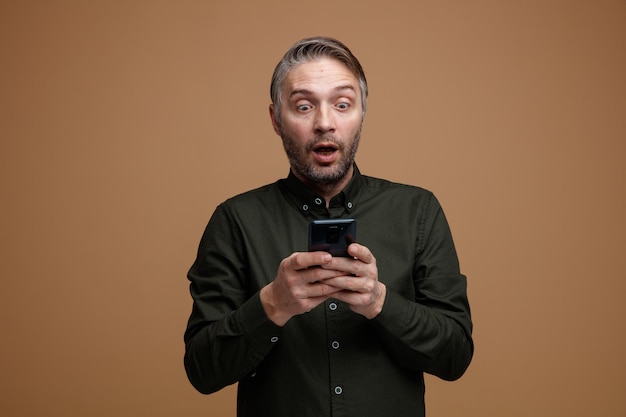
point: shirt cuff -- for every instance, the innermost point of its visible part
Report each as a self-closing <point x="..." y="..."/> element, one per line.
<point x="394" y="313"/>
<point x="257" y="327"/>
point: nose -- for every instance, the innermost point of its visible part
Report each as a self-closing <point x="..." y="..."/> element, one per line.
<point x="324" y="120"/>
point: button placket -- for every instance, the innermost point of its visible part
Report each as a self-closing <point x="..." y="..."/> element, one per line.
<point x="334" y="323"/>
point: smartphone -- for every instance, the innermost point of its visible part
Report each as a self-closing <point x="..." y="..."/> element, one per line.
<point x="333" y="236"/>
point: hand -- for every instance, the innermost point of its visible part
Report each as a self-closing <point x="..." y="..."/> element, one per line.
<point x="299" y="286"/>
<point x="358" y="283"/>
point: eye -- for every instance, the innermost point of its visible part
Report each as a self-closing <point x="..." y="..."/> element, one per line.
<point x="304" y="107"/>
<point x="343" y="106"/>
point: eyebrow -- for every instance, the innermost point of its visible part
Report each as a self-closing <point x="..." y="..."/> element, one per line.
<point x="306" y="92"/>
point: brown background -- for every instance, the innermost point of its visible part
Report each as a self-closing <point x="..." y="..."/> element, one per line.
<point x="124" y="123"/>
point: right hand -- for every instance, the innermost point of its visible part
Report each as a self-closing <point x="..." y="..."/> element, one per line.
<point x="298" y="287"/>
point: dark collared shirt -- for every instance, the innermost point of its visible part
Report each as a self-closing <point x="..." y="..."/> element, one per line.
<point x="331" y="361"/>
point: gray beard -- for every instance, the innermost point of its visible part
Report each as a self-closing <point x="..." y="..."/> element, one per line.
<point x="298" y="163"/>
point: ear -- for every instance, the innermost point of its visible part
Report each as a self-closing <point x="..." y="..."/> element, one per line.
<point x="275" y="123"/>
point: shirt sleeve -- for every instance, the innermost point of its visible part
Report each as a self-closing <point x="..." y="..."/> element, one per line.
<point x="433" y="332"/>
<point x="228" y="333"/>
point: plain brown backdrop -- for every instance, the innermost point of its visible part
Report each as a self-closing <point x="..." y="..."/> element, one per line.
<point x="124" y="123"/>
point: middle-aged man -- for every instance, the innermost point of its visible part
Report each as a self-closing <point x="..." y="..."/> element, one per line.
<point x="310" y="334"/>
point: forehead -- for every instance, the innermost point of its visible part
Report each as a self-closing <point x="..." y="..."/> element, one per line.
<point x="319" y="75"/>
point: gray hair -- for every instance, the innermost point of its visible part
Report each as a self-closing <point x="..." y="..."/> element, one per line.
<point x="309" y="49"/>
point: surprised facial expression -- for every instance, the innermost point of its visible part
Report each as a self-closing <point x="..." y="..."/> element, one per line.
<point x="320" y="120"/>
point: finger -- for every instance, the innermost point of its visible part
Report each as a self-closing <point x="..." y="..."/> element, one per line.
<point x="322" y="290"/>
<point x="360" y="252"/>
<point x="303" y="260"/>
<point x="348" y="266"/>
<point x="352" y="284"/>
<point x="319" y="274"/>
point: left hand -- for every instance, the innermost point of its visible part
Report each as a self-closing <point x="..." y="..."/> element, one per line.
<point x="359" y="286"/>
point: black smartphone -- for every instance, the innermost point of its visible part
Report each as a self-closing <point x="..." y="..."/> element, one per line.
<point x="333" y="236"/>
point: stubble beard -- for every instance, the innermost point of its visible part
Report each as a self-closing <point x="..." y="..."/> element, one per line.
<point x="326" y="176"/>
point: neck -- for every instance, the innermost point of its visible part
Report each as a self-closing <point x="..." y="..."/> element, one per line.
<point x="327" y="191"/>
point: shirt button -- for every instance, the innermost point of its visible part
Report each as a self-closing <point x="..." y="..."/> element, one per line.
<point x="335" y="345"/>
<point x="318" y="201"/>
<point x="338" y="390"/>
<point x="332" y="306"/>
<point x="305" y="207"/>
<point x="274" y="339"/>
<point x="350" y="204"/>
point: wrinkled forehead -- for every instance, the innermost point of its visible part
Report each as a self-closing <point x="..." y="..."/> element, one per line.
<point x="319" y="75"/>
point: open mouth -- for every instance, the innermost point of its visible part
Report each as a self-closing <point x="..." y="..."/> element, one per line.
<point x="325" y="149"/>
<point x="326" y="153"/>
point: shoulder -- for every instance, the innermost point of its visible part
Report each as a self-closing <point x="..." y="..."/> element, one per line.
<point x="399" y="196"/>
<point x="378" y="185"/>
<point x="261" y="195"/>
<point x="247" y="206"/>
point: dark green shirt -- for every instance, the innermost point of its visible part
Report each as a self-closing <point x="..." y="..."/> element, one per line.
<point x="331" y="361"/>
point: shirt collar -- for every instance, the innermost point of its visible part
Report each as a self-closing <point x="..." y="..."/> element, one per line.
<point x="313" y="204"/>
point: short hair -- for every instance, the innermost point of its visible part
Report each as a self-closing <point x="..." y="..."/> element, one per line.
<point x="309" y="49"/>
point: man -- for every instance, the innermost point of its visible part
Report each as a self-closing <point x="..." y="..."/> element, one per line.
<point x="306" y="333"/>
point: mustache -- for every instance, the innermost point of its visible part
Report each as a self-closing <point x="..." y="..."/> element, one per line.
<point x="324" y="139"/>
